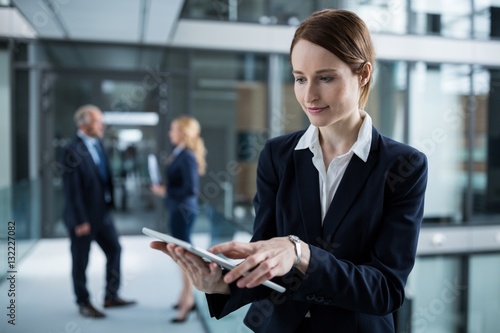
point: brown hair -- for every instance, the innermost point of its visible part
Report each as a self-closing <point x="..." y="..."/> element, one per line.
<point x="191" y="129"/>
<point x="344" y="34"/>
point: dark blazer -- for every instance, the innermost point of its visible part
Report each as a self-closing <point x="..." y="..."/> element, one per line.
<point x="83" y="187"/>
<point x="362" y="254"/>
<point x="183" y="182"/>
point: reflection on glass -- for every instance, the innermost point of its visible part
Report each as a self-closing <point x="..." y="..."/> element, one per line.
<point x="437" y="123"/>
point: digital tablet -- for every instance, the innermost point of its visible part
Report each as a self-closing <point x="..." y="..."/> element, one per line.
<point x="204" y="254"/>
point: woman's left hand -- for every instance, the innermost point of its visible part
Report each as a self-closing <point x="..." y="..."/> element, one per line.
<point x="263" y="260"/>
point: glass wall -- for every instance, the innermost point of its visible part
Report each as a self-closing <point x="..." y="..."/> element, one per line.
<point x="483" y="301"/>
<point x="486" y="19"/>
<point x="437" y="298"/>
<point x="457" y="296"/>
<point x="485" y="141"/>
<point x="447" y="18"/>
<point x="440" y="92"/>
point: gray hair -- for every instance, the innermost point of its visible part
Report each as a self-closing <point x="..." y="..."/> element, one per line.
<point x="82" y="114"/>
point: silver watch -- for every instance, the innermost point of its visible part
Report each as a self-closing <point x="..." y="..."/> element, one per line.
<point x="298" y="250"/>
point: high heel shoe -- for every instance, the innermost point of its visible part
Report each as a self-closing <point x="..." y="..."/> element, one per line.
<point x="176" y="307"/>
<point x="179" y="320"/>
<point x="185" y="317"/>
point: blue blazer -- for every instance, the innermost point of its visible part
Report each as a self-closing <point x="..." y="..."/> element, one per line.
<point x="361" y="255"/>
<point x="84" y="189"/>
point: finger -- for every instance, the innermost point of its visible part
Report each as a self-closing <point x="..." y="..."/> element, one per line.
<point x="174" y="251"/>
<point x="233" y="249"/>
<point x="265" y="271"/>
<point x="246" y="266"/>
<point x="160" y="246"/>
<point x="195" y="261"/>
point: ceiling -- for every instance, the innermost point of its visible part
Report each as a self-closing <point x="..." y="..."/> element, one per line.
<point x="118" y="21"/>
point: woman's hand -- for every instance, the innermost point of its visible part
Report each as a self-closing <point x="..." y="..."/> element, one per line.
<point x="263" y="260"/>
<point x="159" y="190"/>
<point x="206" y="277"/>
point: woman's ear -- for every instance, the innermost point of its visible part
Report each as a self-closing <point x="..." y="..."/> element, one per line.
<point x="365" y="74"/>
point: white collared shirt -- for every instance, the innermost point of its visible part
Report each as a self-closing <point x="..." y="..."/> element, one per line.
<point x="329" y="180"/>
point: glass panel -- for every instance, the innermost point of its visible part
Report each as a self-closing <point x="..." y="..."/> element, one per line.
<point x="381" y="15"/>
<point x="289" y="12"/>
<point x="386" y="104"/>
<point x="486" y="19"/>
<point x="20" y="229"/>
<point x="483" y="291"/>
<point x="106" y="57"/>
<point x="440" y="93"/>
<point x="229" y="98"/>
<point x="486" y="156"/>
<point x="293" y="117"/>
<point x="450" y="18"/>
<point x="436" y="291"/>
<point x="127" y="142"/>
<point x="285" y="12"/>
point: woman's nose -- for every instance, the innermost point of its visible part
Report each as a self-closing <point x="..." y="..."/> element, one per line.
<point x="311" y="93"/>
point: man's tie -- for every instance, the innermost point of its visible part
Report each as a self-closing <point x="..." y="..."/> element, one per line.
<point x="102" y="165"/>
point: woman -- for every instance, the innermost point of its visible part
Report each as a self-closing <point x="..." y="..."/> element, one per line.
<point x="338" y="206"/>
<point x="185" y="165"/>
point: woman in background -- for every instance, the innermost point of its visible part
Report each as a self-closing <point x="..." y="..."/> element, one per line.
<point x="184" y="167"/>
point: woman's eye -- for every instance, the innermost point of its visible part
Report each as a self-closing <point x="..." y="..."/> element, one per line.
<point x="299" y="80"/>
<point x="326" y="78"/>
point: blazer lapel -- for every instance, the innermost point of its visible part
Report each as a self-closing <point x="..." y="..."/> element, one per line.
<point x="308" y="193"/>
<point x="350" y="186"/>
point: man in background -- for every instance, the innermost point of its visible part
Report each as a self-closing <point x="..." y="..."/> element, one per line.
<point x="88" y="190"/>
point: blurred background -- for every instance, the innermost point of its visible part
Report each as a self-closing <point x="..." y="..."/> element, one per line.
<point x="226" y="62"/>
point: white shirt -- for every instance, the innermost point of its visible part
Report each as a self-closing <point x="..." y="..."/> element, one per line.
<point x="90" y="143"/>
<point x="329" y="180"/>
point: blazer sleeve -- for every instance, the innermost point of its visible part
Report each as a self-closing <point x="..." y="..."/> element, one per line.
<point x="72" y="183"/>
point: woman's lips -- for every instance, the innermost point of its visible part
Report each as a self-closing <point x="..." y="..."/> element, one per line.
<point x="315" y="110"/>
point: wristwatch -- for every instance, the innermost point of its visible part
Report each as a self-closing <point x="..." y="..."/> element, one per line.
<point x="298" y="250"/>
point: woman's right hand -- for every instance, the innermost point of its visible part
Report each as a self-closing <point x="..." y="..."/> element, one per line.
<point x="206" y="277"/>
<point x="159" y="190"/>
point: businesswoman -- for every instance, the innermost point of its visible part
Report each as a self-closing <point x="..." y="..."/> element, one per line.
<point x="338" y="205"/>
<point x="185" y="165"/>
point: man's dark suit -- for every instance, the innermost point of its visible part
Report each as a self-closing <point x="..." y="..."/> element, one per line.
<point x="362" y="254"/>
<point x="85" y="190"/>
